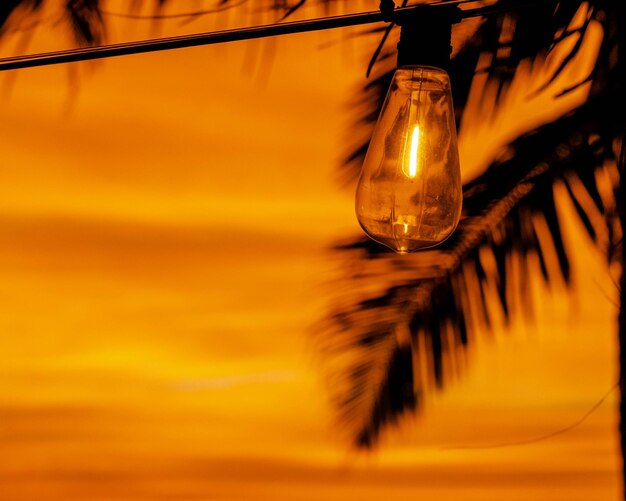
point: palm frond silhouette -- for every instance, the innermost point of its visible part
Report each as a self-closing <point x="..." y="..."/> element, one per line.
<point x="83" y="17"/>
<point x="433" y="299"/>
<point x="87" y="19"/>
<point x="387" y="346"/>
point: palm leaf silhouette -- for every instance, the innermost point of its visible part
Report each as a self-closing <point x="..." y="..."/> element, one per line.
<point x="385" y="348"/>
<point x="404" y="338"/>
<point x="84" y="17"/>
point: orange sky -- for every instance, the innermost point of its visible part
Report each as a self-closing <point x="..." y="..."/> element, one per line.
<point x="163" y="256"/>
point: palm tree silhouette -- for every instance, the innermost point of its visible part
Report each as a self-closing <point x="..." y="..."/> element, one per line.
<point x="425" y="308"/>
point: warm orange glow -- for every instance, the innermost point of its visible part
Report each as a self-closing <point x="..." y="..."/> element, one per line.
<point x="414" y="144"/>
<point x="161" y="272"/>
<point x="411" y="173"/>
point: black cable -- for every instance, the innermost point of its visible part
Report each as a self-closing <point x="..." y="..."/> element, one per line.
<point x="270" y="30"/>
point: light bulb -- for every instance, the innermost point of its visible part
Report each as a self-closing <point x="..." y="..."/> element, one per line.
<point x="409" y="193"/>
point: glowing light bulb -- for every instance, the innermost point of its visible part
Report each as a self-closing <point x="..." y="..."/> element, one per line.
<point x="409" y="194"/>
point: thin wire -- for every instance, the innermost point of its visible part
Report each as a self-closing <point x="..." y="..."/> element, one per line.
<point x="251" y="33"/>
<point x="612" y="301"/>
<point x="540" y="438"/>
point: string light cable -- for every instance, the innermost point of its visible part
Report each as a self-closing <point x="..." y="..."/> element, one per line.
<point x="458" y="10"/>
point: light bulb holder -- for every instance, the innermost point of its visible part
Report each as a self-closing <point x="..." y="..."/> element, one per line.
<point x="426" y="36"/>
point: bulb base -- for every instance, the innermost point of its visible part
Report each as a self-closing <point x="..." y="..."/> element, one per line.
<point x="426" y="37"/>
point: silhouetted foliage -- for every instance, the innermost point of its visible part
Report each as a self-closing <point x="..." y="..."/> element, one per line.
<point x="433" y="302"/>
<point x="87" y="18"/>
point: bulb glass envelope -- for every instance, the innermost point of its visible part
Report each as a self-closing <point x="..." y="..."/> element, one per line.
<point x="409" y="193"/>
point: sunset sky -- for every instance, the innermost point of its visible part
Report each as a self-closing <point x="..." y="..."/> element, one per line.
<point x="165" y="251"/>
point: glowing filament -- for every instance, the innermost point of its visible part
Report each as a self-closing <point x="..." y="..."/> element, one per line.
<point x="414" y="148"/>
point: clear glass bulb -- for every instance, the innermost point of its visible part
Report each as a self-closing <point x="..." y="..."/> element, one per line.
<point x="409" y="194"/>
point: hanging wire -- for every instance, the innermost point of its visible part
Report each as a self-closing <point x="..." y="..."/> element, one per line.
<point x="251" y="33"/>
